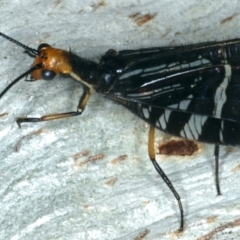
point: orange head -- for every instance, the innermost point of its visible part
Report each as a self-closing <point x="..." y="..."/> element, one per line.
<point x="53" y="60"/>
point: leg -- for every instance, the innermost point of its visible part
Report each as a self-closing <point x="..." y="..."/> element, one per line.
<point x="81" y="106"/>
<point x="216" y="154"/>
<point x="151" y="154"/>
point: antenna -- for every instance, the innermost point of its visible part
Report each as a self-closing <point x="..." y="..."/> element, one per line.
<point x="28" y="49"/>
<point x="38" y="66"/>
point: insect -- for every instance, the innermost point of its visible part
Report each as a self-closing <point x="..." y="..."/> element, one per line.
<point x="190" y="91"/>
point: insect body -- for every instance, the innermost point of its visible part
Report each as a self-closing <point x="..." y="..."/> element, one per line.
<point x="190" y="91"/>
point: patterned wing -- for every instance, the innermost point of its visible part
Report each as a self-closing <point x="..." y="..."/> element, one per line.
<point x="188" y="91"/>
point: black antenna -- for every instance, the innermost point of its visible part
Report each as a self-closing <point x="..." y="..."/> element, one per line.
<point x="28" y="49"/>
<point x="38" y="66"/>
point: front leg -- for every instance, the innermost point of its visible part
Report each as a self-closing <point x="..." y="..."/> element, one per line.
<point x="81" y="106"/>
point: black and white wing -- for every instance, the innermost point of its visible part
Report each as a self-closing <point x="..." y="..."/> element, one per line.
<point x="190" y="91"/>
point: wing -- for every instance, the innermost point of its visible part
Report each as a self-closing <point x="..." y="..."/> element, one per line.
<point x="187" y="91"/>
<point x="199" y="79"/>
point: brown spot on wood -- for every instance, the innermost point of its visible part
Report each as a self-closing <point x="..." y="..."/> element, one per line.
<point x="57" y="2"/>
<point x="141" y="19"/>
<point x="119" y="159"/>
<point x="211" y="219"/>
<point x="177" y="233"/>
<point x="146" y="202"/>
<point x="228" y="19"/>
<point x="134" y="15"/>
<point x="44" y="39"/>
<point x="98" y="5"/>
<point x="3" y="114"/>
<point x="111" y="181"/>
<point x="235" y="169"/>
<point x="229" y="149"/>
<point x="179" y="147"/>
<point x="210" y="235"/>
<point x="38" y="132"/>
<point x="92" y="159"/>
<point x="165" y="34"/>
<point x="142" y="234"/>
<point x="78" y="155"/>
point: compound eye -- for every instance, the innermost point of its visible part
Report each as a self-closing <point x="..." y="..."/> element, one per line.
<point x="48" y="74"/>
<point x="42" y="45"/>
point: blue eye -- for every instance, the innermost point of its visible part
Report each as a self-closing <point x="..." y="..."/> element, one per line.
<point x="48" y="74"/>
